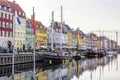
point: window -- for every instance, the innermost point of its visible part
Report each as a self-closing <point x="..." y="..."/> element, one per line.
<point x="0" y="23"/>
<point x="10" y="25"/>
<point x="36" y="26"/>
<point x="9" y="9"/>
<point x="30" y="24"/>
<point x="3" y="24"/>
<point x="7" y="25"/>
<point x="5" y="8"/>
<point x="2" y="7"/>
<point x="0" y="14"/>
<point x="10" y="17"/>
<point x="6" y="33"/>
<point x="27" y="23"/>
<point x="19" y="13"/>
<point x="40" y="26"/>
<point x="23" y="14"/>
<point x="3" y="15"/>
<point x="10" y="34"/>
<point x="3" y="33"/>
<point x="7" y="15"/>
<point x="0" y="32"/>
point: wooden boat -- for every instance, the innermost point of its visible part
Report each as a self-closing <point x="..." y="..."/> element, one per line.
<point x="94" y="54"/>
<point x="77" y="56"/>
<point x="57" y="57"/>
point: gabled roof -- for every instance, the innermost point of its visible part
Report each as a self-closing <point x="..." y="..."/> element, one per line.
<point x="16" y="7"/>
<point x="5" y="3"/>
<point x="68" y="28"/>
<point x="80" y="32"/>
<point x="37" y="22"/>
<point x="75" y="33"/>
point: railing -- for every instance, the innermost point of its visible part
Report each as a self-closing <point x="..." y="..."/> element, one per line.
<point x="6" y="58"/>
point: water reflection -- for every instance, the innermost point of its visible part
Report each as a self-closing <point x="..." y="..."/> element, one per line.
<point x="105" y="68"/>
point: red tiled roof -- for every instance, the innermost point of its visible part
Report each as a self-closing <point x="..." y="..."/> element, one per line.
<point x="5" y="3"/>
<point x="15" y="6"/>
<point x="75" y="33"/>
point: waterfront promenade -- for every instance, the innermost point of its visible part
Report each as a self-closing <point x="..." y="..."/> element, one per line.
<point x="6" y="58"/>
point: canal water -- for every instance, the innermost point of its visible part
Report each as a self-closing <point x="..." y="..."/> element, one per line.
<point x="106" y="68"/>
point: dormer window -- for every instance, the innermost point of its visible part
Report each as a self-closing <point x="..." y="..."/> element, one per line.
<point x="0" y="6"/>
<point x="8" y="8"/>
<point x="36" y="25"/>
<point x="19" y="13"/>
<point x="23" y="14"/>
<point x="41" y="27"/>
<point x="27" y="23"/>
<point x="5" y="8"/>
<point x="30" y="24"/>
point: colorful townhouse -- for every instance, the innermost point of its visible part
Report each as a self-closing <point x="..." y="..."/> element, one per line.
<point x="74" y="41"/>
<point x="56" y="37"/>
<point x="94" y="42"/>
<point x="41" y="35"/>
<point x="19" y="28"/>
<point x="6" y="25"/>
<point x="29" y="35"/>
<point x="68" y="30"/>
<point x="81" y="39"/>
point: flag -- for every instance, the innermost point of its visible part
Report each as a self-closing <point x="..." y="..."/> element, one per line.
<point x="17" y="20"/>
<point x="33" y="22"/>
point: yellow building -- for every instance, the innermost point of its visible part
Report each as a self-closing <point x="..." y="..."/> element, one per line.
<point x="41" y="35"/>
<point x="20" y="35"/>
<point x="69" y="39"/>
<point x="78" y="39"/>
<point x="19" y="26"/>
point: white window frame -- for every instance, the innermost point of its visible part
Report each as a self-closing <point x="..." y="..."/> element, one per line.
<point x="6" y="33"/>
<point x="10" y="25"/>
<point x="0" y="23"/>
<point x="7" y="16"/>
<point x="3" y="33"/>
<point x="3" y="15"/>
<point x="10" y="17"/>
<point x="0" y="32"/>
<point x="0" y="15"/>
<point x="3" y="24"/>
<point x="10" y="34"/>
<point x="7" y="25"/>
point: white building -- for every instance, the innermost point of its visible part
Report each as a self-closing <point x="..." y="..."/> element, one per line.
<point x="58" y="37"/>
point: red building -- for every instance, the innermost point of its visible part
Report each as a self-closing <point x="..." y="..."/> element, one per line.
<point x="6" y="24"/>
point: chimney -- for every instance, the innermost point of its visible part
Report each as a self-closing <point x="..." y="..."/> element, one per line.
<point x="13" y="1"/>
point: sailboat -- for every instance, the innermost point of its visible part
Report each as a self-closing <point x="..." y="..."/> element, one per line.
<point x="56" y="56"/>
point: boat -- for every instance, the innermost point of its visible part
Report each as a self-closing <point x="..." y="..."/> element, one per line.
<point x="111" y="53"/>
<point x="94" y="53"/>
<point x="77" y="56"/>
<point x="57" y="56"/>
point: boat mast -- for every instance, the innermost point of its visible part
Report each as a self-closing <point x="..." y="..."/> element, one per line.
<point x="116" y="39"/>
<point x="61" y="25"/>
<point x="52" y="30"/>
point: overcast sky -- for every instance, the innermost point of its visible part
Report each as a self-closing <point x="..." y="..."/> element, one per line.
<point x="88" y="15"/>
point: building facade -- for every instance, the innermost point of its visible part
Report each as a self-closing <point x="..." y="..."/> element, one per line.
<point x="41" y="35"/>
<point x="29" y="35"/>
<point x="6" y="25"/>
<point x="19" y="29"/>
